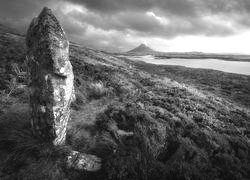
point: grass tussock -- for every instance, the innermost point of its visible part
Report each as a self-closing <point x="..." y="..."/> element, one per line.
<point x="96" y="90"/>
<point x="26" y="156"/>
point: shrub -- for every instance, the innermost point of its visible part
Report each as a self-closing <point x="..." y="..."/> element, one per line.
<point x="134" y="155"/>
<point x="97" y="90"/>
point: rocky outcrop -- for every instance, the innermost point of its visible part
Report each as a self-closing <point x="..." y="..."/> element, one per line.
<point x="52" y="85"/>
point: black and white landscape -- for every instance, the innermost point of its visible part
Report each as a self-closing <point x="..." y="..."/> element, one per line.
<point x="162" y="89"/>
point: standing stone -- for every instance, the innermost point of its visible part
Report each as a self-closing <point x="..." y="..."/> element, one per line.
<point x="52" y="86"/>
<point x="52" y="78"/>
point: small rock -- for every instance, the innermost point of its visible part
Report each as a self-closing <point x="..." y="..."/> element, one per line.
<point x="82" y="161"/>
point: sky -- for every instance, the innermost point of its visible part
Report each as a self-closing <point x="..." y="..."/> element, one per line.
<point x="218" y="26"/>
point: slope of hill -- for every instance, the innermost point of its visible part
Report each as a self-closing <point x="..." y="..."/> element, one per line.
<point x="142" y="49"/>
<point x="6" y="29"/>
<point x="142" y="124"/>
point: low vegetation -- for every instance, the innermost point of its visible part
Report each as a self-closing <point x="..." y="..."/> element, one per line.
<point x="144" y="124"/>
<point x="233" y="87"/>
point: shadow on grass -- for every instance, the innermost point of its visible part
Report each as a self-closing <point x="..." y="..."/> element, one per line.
<point x="24" y="155"/>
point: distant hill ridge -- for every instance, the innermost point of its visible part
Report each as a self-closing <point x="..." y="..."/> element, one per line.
<point x="6" y="29"/>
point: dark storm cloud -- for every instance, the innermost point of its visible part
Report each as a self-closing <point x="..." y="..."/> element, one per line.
<point x="144" y="24"/>
<point x="18" y="13"/>
<point x="178" y="7"/>
<point x="107" y="23"/>
<point x="184" y="16"/>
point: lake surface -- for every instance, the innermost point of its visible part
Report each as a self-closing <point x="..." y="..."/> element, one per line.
<point x="238" y="67"/>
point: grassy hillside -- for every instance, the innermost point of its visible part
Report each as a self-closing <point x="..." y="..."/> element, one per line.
<point x="143" y="124"/>
<point x="233" y="87"/>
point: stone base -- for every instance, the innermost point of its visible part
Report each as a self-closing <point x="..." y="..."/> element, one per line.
<point x="82" y="161"/>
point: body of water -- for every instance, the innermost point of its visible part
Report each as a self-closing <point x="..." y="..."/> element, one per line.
<point x="238" y="67"/>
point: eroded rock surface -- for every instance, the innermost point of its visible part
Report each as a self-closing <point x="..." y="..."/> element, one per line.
<point x="52" y="85"/>
<point x="51" y="75"/>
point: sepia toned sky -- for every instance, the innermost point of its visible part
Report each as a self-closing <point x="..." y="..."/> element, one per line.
<point x="165" y="25"/>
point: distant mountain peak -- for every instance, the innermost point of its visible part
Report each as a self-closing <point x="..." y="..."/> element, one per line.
<point x="142" y="48"/>
<point x="142" y="45"/>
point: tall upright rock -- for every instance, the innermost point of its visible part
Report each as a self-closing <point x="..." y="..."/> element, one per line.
<point x="52" y="88"/>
